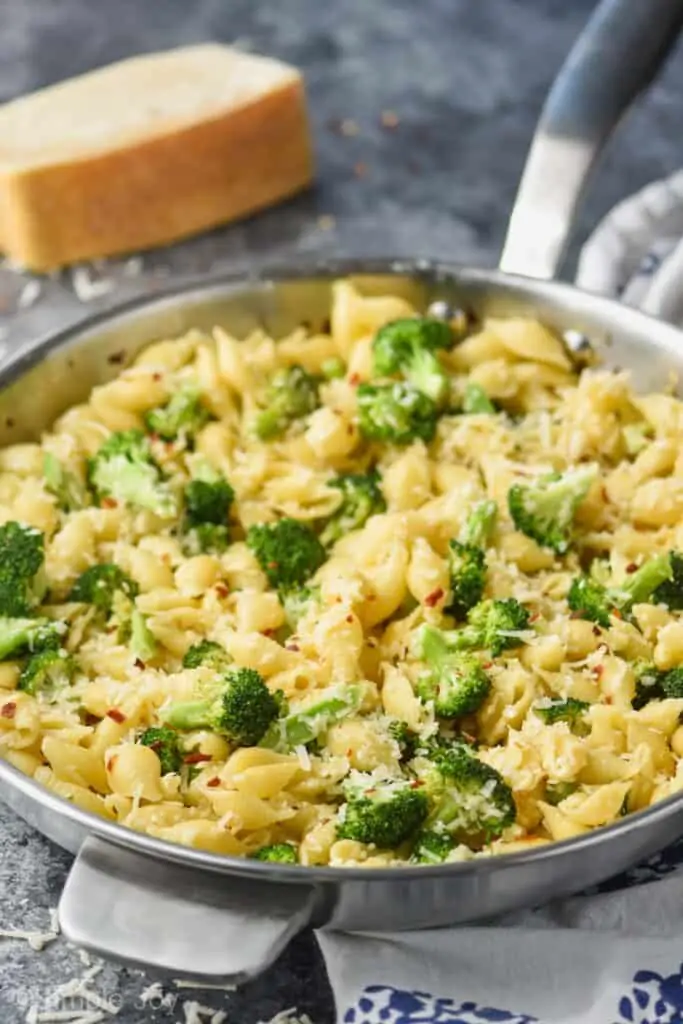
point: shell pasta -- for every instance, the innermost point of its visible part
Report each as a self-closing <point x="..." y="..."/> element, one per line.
<point x="405" y="590"/>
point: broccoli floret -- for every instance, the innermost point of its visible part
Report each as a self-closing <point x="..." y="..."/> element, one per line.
<point x="432" y="847"/>
<point x="297" y="602"/>
<point x="467" y="577"/>
<point x="142" y="641"/>
<point x="291" y="394"/>
<point x="207" y="654"/>
<point x="183" y="416"/>
<point x="567" y="709"/>
<point x="99" y="584"/>
<point x="207" y="506"/>
<point x="455" y="682"/>
<point x="594" y="601"/>
<point x="333" y="368"/>
<point x="22" y="583"/>
<point x="655" y="684"/>
<point x="165" y="743"/>
<point x="361" y="498"/>
<point x="288" y="551"/>
<point x="491" y="625"/>
<point x="467" y="559"/>
<point x="395" y="413"/>
<point x="242" y="709"/>
<point x="408" y="347"/>
<point x="305" y="725"/>
<point x="671" y="591"/>
<point x="18" y="635"/>
<point x="407" y="740"/>
<point x="544" y="510"/>
<point x="277" y="853"/>
<point x="475" y="400"/>
<point x="383" y="812"/>
<point x="124" y="470"/>
<point x="70" y="493"/>
<point x="468" y="798"/>
<point x="672" y="682"/>
<point x="46" y="672"/>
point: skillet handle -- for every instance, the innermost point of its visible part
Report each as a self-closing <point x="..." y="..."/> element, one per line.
<point x="178" y="920"/>
<point x="616" y="56"/>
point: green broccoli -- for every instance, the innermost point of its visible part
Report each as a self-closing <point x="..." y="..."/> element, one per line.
<point x="395" y="413"/>
<point x="99" y="584"/>
<point x="297" y="602"/>
<point x="124" y="470"/>
<point x="242" y="709"/>
<point x="18" y="635"/>
<point x="142" y="641"/>
<point x="383" y="812"/>
<point x="165" y="743"/>
<point x="493" y="625"/>
<point x="333" y="368"/>
<point x="406" y="739"/>
<point x="656" y="684"/>
<point x="207" y="654"/>
<point x="454" y="681"/>
<point x="556" y="792"/>
<point x="592" y="600"/>
<point x="277" y="853"/>
<point x="360" y="499"/>
<point x="544" y="510"/>
<point x="288" y="552"/>
<point x="670" y="592"/>
<point x="467" y="559"/>
<point x="409" y="347"/>
<point x="184" y="415"/>
<point x="46" y="672"/>
<point x="207" y="501"/>
<point x="567" y="709"/>
<point x="475" y="400"/>
<point x="307" y="724"/>
<point x="22" y="581"/>
<point x="468" y="799"/>
<point x="672" y="682"/>
<point x="70" y="493"/>
<point x="291" y="394"/>
<point x="432" y="847"/>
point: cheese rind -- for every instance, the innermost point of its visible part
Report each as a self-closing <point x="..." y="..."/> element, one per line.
<point x="149" y="151"/>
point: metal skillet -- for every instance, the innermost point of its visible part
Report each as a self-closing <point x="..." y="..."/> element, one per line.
<point x="220" y="919"/>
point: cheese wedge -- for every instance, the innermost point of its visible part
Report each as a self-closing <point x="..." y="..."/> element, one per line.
<point x="147" y="151"/>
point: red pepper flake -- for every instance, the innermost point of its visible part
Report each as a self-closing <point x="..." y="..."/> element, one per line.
<point x="292" y="647"/>
<point x="109" y="503"/>
<point x="617" y="614"/>
<point x="631" y="567"/>
<point x="349" y="752"/>
<point x="272" y="565"/>
<point x="389" y="119"/>
<point x="139" y="663"/>
<point x="349" y="618"/>
<point x="416" y="783"/>
<point x="221" y="590"/>
<point x="8" y="710"/>
<point x="535" y="617"/>
<point x="597" y="670"/>
<point x="354" y="380"/>
<point x="111" y="763"/>
<point x="434" y="597"/>
<point x="605" y="495"/>
<point x="268" y="632"/>
<point x="349" y="428"/>
<point x="215" y="781"/>
<point x="156" y="376"/>
<point x="608" y="699"/>
<point x="116" y="715"/>
<point x="487" y="664"/>
<point x="196" y="758"/>
<point x="597" y="631"/>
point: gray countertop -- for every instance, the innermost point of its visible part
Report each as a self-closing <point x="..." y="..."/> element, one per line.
<point x="465" y="81"/>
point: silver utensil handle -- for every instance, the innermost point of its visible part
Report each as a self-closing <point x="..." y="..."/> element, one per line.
<point x="614" y="59"/>
<point x="177" y="920"/>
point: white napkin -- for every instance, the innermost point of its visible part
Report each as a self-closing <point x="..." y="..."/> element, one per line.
<point x="615" y="955"/>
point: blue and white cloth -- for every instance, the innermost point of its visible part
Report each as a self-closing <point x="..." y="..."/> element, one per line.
<point x="612" y="956"/>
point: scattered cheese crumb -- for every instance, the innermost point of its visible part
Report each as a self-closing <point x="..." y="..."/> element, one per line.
<point x="86" y="287"/>
<point x="389" y="119"/>
<point x="195" y="1014"/>
<point x="181" y="983"/>
<point x="36" y="940"/>
<point x="290" y="1016"/>
<point x="348" y="127"/>
<point x="326" y="222"/>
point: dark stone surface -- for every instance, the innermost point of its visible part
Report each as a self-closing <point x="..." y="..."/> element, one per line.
<point x="466" y="81"/>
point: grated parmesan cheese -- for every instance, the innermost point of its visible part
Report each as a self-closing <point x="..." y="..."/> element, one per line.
<point x="29" y="294"/>
<point x="290" y="1016"/>
<point x="87" y="287"/>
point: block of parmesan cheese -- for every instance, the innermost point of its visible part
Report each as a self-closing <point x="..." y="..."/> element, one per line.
<point x="147" y="151"/>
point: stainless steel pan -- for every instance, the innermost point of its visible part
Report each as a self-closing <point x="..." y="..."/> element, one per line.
<point x="220" y="919"/>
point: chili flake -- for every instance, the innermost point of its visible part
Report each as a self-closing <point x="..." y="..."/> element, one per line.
<point x="8" y="710"/>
